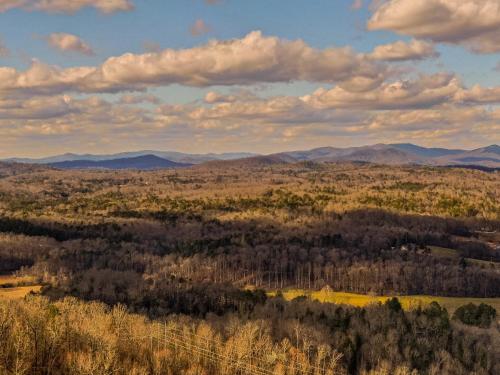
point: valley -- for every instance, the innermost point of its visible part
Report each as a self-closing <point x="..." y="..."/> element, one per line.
<point x="215" y="187"/>
<point x="315" y="262"/>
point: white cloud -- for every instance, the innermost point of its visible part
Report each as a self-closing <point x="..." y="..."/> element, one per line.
<point x="401" y="51"/>
<point x="42" y="79"/>
<point x="439" y="109"/>
<point x="479" y="95"/>
<point x="40" y="108"/>
<point x="424" y="92"/>
<point x="473" y="23"/>
<point x="252" y="59"/>
<point x="69" y="43"/>
<point x="66" y="6"/>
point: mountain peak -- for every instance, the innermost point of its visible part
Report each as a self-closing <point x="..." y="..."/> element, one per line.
<point x="492" y="148"/>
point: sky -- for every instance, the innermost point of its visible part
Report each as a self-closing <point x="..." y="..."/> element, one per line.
<point x="198" y="76"/>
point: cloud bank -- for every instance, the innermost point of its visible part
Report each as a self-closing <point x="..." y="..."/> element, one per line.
<point x="366" y="95"/>
<point x="430" y="108"/>
<point x="472" y="23"/>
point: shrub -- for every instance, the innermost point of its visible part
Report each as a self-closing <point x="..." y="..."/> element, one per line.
<point x="474" y="315"/>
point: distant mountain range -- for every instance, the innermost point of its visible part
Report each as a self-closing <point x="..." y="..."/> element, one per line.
<point x="400" y="154"/>
<point x="390" y="154"/>
<point x="145" y="162"/>
<point x="177" y="157"/>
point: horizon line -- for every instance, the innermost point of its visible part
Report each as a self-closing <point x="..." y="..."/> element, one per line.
<point x="239" y="152"/>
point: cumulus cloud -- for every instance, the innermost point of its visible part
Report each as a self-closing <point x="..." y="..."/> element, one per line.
<point x="422" y="100"/>
<point x="279" y="109"/>
<point x="425" y="119"/>
<point x="293" y="119"/>
<point x="401" y="51"/>
<point x="428" y="107"/>
<point x="479" y="95"/>
<point x="91" y="110"/>
<point x="40" y="108"/>
<point x="199" y="28"/>
<point x="41" y="79"/>
<point x="66" y="6"/>
<point x="473" y="23"/>
<point x="69" y="43"/>
<point x="252" y="59"/>
<point x="424" y="92"/>
<point x="440" y="109"/>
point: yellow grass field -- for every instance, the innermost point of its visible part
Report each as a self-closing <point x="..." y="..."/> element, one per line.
<point x="408" y="302"/>
<point x="11" y="279"/>
<point x="17" y="291"/>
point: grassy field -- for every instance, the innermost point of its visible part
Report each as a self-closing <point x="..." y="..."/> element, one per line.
<point x="446" y="252"/>
<point x="18" y="292"/>
<point x="12" y="287"/>
<point x="14" y="280"/>
<point x="408" y="302"/>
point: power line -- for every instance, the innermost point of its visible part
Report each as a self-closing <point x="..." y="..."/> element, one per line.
<point x="177" y="338"/>
<point x="311" y="367"/>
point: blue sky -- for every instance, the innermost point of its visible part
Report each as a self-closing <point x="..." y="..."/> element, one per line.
<point x="156" y="25"/>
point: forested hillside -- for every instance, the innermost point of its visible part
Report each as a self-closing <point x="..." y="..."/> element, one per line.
<point x="74" y="337"/>
<point x="210" y="242"/>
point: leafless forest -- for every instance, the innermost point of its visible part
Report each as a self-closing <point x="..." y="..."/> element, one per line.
<point x="166" y="272"/>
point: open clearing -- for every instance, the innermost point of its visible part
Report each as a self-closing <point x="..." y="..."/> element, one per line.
<point x="408" y="302"/>
<point x="12" y="287"/>
<point x="446" y="252"/>
<point x="14" y="280"/>
<point x="443" y="252"/>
